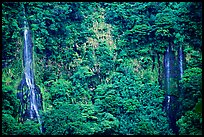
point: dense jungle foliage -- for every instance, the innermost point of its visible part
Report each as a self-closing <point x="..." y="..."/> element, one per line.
<point x="99" y="66"/>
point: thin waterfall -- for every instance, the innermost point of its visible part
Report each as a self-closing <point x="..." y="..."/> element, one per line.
<point x="28" y="80"/>
<point x="180" y="69"/>
<point x="180" y="53"/>
<point x="170" y="101"/>
<point x="167" y="68"/>
<point x="180" y="75"/>
<point x="167" y="76"/>
<point x="29" y="76"/>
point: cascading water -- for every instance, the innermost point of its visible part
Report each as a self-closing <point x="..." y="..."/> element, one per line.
<point x="28" y="80"/>
<point x="170" y="99"/>
<point x="181" y="61"/>
<point x="167" y="78"/>
<point x="167" y="68"/>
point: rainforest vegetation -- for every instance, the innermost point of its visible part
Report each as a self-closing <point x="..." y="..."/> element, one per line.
<point x="118" y="68"/>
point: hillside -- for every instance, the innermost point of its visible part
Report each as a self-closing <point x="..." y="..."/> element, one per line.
<point x="87" y="68"/>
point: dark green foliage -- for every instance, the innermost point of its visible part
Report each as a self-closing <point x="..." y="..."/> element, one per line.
<point x="192" y="86"/>
<point x="78" y="119"/>
<point x="11" y="39"/>
<point x="105" y="58"/>
<point x="190" y="124"/>
<point x="9" y="125"/>
<point x="100" y="66"/>
<point x="131" y="101"/>
<point x="9" y="102"/>
<point x="29" y="128"/>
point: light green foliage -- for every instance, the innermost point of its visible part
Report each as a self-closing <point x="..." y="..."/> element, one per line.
<point x="60" y="91"/>
<point x="78" y="119"/>
<point x="131" y="101"/>
<point x="29" y="128"/>
<point x="10" y="126"/>
<point x="83" y="73"/>
<point x="81" y="80"/>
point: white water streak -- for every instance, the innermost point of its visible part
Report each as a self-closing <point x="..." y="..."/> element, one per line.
<point x="168" y="69"/>
<point x="29" y="79"/>
<point x="168" y="102"/>
<point x="181" y="62"/>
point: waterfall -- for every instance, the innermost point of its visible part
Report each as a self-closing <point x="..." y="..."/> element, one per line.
<point x="180" y="64"/>
<point x="29" y="75"/>
<point x="170" y="103"/>
<point x="180" y="75"/>
<point x="167" y="68"/>
<point x="180" y="55"/>
<point x="28" y="79"/>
